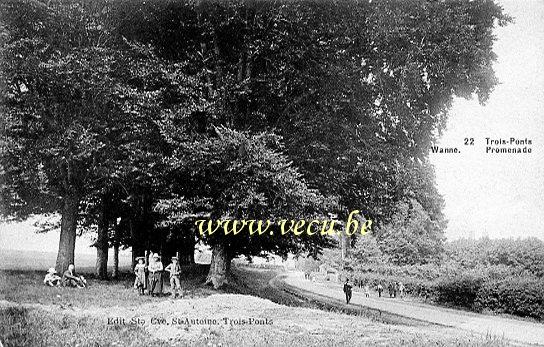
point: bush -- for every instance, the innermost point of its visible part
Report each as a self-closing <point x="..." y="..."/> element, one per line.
<point x="521" y="296"/>
<point x="494" y="288"/>
<point x="461" y="290"/>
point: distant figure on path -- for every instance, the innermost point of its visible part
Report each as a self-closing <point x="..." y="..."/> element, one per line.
<point x="367" y="290"/>
<point x="390" y="289"/>
<point x="155" y="276"/>
<point x="175" y="271"/>
<point x="347" y="290"/>
<point x="139" y="270"/>
<point x="379" y="288"/>
<point x="71" y="279"/>
<point x="51" y="278"/>
<point x="402" y="289"/>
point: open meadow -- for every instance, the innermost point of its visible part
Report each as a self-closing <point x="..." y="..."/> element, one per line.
<point x="247" y="312"/>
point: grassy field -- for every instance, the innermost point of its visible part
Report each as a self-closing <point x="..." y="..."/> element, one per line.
<point x="32" y="327"/>
<point x="34" y="260"/>
<point x="34" y="315"/>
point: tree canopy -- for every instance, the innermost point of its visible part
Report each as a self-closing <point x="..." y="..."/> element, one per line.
<point x="236" y="108"/>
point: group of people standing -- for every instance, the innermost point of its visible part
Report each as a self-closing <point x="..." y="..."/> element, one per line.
<point x="394" y="288"/>
<point x="149" y="278"/>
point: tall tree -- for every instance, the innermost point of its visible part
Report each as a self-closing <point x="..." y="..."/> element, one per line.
<point x="69" y="86"/>
<point x="357" y="102"/>
<point x="236" y="175"/>
<point x="411" y="237"/>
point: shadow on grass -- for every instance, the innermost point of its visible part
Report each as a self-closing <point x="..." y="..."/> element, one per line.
<point x="23" y="286"/>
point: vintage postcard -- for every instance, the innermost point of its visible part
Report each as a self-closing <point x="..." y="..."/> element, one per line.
<point x="271" y="173"/>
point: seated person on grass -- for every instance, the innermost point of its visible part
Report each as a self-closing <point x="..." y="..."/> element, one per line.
<point x="51" y="278"/>
<point x="71" y="279"/>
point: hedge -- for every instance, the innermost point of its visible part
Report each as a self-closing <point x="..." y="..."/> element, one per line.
<point x="459" y="290"/>
<point x="520" y="296"/>
<point x="517" y="295"/>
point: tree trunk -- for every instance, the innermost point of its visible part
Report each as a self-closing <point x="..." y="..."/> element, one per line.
<point x="344" y="245"/>
<point x="102" y="259"/>
<point x="219" y="267"/>
<point x="133" y="258"/>
<point x="67" y="242"/>
<point x="137" y="249"/>
<point x="116" y="242"/>
<point x="116" y="260"/>
<point x="186" y="258"/>
<point x="102" y="243"/>
<point x="191" y="256"/>
<point x="187" y="253"/>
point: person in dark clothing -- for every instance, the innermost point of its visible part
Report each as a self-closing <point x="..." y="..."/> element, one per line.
<point x="347" y="290"/>
<point x="155" y="269"/>
<point x="390" y="289"/>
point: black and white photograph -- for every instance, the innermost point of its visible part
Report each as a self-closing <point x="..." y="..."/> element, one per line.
<point x="271" y="173"/>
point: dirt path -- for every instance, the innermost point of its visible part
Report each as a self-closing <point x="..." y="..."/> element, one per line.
<point x="511" y="329"/>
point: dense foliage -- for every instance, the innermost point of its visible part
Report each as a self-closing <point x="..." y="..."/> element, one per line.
<point x="141" y="110"/>
<point x="523" y="255"/>
<point x="502" y="275"/>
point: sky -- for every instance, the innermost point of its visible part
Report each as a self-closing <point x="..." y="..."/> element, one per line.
<point x="500" y="195"/>
<point x="25" y="236"/>
<point x="495" y="195"/>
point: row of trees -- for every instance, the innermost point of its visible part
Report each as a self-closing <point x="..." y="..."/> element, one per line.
<point x="525" y="255"/>
<point x="134" y="118"/>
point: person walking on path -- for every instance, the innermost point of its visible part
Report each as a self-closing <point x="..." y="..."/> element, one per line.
<point x="175" y="271"/>
<point x="402" y="290"/>
<point x="155" y="276"/>
<point x="367" y="290"/>
<point x="390" y="289"/>
<point x="379" y="287"/>
<point x="347" y="290"/>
